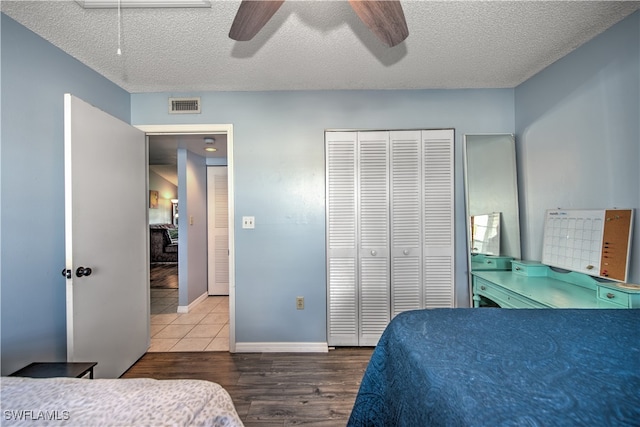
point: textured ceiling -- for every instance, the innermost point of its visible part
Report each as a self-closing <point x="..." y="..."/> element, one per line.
<point x="311" y="45"/>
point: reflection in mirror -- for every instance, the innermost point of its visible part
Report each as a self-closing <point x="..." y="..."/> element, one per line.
<point x="485" y="234"/>
<point x="491" y="187"/>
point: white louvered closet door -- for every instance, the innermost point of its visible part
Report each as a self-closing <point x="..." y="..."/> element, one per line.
<point x="390" y="235"/>
<point x="217" y="230"/>
<point x="438" y="218"/>
<point x="342" y="272"/>
<point x="406" y="225"/>
<point x="373" y="221"/>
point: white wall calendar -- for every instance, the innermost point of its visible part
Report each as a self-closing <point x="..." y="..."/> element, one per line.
<point x="596" y="242"/>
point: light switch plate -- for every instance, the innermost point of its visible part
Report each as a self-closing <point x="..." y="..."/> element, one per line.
<point x="248" y="222"/>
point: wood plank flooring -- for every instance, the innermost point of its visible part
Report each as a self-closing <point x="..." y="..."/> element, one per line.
<point x="272" y="389"/>
<point x="164" y="276"/>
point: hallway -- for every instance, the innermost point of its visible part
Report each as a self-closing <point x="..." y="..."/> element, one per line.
<point x="204" y="328"/>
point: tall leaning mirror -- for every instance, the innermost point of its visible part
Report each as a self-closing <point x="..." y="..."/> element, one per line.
<point x="491" y="189"/>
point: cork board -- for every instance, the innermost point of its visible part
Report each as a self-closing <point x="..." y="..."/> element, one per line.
<point x="615" y="244"/>
<point x="594" y="242"/>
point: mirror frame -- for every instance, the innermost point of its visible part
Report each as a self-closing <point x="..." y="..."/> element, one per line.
<point x="509" y="232"/>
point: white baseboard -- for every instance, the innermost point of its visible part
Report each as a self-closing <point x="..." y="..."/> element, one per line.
<point x="282" y="347"/>
<point x="186" y="308"/>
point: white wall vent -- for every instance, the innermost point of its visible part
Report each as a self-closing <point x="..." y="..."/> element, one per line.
<point x="184" y="105"/>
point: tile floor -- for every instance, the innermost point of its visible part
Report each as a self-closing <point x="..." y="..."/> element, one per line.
<point x="204" y="328"/>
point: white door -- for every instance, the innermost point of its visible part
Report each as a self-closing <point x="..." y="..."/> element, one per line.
<point x="105" y="230"/>
<point x="218" y="230"/>
<point x="341" y="227"/>
<point x="438" y="218"/>
<point x="406" y="224"/>
<point x="373" y="221"/>
<point x="390" y="230"/>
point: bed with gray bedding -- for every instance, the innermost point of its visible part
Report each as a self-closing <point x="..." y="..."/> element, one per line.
<point x="115" y="402"/>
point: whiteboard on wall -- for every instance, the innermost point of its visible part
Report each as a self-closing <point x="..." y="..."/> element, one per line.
<point x="590" y="241"/>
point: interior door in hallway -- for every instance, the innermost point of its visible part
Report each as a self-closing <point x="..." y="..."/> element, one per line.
<point x="218" y="230"/>
<point x="107" y="264"/>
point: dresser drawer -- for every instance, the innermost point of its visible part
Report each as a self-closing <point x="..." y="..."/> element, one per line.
<point x="614" y="296"/>
<point x="487" y="263"/>
<point x="501" y="296"/>
<point x="529" y="268"/>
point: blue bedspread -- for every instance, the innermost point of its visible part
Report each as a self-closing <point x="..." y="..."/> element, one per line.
<point x="499" y="367"/>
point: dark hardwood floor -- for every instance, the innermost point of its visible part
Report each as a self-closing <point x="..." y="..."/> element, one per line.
<point x="272" y="389"/>
<point x="164" y="276"/>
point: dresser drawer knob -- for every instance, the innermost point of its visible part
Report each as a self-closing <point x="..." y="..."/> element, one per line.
<point x="483" y="288"/>
<point x="518" y="268"/>
<point x="610" y="295"/>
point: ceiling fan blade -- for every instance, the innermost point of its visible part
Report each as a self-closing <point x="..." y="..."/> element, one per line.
<point x="384" y="18"/>
<point x="252" y="15"/>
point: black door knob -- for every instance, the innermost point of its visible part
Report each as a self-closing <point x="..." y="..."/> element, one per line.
<point x="83" y="271"/>
<point x="66" y="273"/>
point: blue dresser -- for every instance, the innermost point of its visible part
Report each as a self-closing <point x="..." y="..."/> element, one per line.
<point x="534" y="285"/>
<point x="480" y="262"/>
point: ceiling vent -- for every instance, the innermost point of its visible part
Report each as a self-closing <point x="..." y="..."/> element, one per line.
<point x="184" y="105"/>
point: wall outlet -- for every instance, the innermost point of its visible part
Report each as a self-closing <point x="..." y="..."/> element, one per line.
<point x="248" y="222"/>
<point x="299" y="303"/>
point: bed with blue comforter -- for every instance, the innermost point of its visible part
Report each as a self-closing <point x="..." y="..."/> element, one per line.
<point x="498" y="367"/>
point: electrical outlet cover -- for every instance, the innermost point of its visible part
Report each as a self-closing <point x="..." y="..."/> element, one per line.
<point x="248" y="222"/>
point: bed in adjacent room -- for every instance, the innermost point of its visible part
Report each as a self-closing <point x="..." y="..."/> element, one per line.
<point x="115" y="402"/>
<point x="481" y="367"/>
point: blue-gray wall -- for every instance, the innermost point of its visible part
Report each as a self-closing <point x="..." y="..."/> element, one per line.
<point x="279" y="179"/>
<point x="35" y="75"/>
<point x="192" y="221"/>
<point x="578" y="134"/>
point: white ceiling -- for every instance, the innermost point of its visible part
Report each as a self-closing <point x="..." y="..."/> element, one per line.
<point x="311" y="45"/>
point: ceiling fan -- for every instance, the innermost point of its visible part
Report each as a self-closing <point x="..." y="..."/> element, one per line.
<point x="384" y="18"/>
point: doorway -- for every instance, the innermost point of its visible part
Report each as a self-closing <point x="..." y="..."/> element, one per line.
<point x="201" y="131"/>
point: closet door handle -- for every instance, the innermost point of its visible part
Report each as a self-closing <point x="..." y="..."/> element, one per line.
<point x="374" y="253"/>
<point x="406" y="252"/>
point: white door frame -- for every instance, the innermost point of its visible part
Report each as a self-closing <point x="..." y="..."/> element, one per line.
<point x="208" y="129"/>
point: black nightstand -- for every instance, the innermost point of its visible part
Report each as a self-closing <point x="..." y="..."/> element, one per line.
<point x="56" y="369"/>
